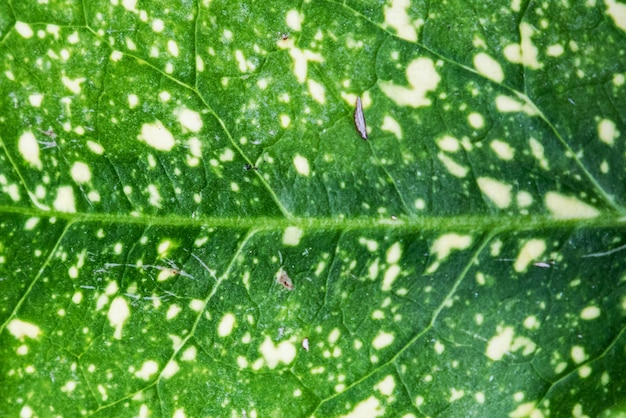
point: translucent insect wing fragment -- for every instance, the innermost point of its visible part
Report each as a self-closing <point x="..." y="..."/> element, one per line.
<point x="359" y="119"/>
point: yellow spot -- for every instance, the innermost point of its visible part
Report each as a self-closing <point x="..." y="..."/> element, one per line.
<point x="64" y="201"/>
<point x="397" y="17"/>
<point x="292" y="236"/>
<point x="382" y="340"/>
<point x="20" y="329"/>
<point x="502" y="149"/>
<point x="226" y="325"/>
<point x="568" y="207"/>
<point x="452" y="166"/>
<point x="590" y="312"/>
<point x="532" y="250"/>
<point x="421" y="76"/>
<point x="157" y="136"/>
<point x="499" y="193"/>
<point x="500" y="344"/>
<point x="118" y="314"/>
<point x="607" y="131"/>
<point x="28" y="146"/>
<point x="302" y="165"/>
<point x="488" y="67"/>
<point x="617" y="12"/>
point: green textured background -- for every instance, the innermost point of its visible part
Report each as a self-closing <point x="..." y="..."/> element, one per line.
<point x="468" y="260"/>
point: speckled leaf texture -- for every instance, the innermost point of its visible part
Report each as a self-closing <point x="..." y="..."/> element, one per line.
<point x="192" y="226"/>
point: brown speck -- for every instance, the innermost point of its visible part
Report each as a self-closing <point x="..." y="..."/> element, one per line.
<point x="284" y="280"/>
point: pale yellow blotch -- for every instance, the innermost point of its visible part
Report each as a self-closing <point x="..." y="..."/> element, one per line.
<point x="157" y="136"/>
<point x="294" y="20"/>
<point x="302" y="165"/>
<point x="507" y="104"/>
<point x="526" y="410"/>
<point x="333" y="336"/>
<point x="456" y="394"/>
<point x="95" y="147"/>
<point x="394" y="253"/>
<point x="73" y="85"/>
<point x="476" y="120"/>
<point x="35" y="99"/>
<point x="502" y="149"/>
<point x="590" y="312"/>
<point x="536" y="149"/>
<point x="189" y="119"/>
<point x="569" y="207"/>
<point x="148" y="369"/>
<point x="80" y="172"/>
<point x="397" y="17"/>
<point x="317" y="91"/>
<point x="24" y="29"/>
<point x="488" y="67"/>
<point x="617" y="12"/>
<point x="285" y="121"/>
<point x="555" y="50"/>
<point x="500" y="344"/>
<point x="301" y="59"/>
<point x="499" y="193"/>
<point x="284" y="352"/>
<point x="531" y="322"/>
<point x="226" y="325"/>
<point x="20" y="329"/>
<point x="370" y="408"/>
<point x="578" y="354"/>
<point x="172" y="48"/>
<point x="449" y="144"/>
<point x="133" y="101"/>
<point x="158" y="25"/>
<point x="28" y="146"/>
<point x="64" y="201"/>
<point x="390" y="276"/>
<point x="116" y="56"/>
<point x="422" y="77"/>
<point x="392" y="125"/>
<point x="452" y="166"/>
<point x="447" y="243"/>
<point x="382" y="340"/>
<point x="118" y="314"/>
<point x="531" y="251"/>
<point x="292" y="236"/>
<point x="584" y="371"/>
<point x="386" y="386"/>
<point x="607" y="131"/>
<point x="525" y="53"/>
<point x="480" y="397"/>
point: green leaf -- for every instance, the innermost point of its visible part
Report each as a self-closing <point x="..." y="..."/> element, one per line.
<point x="192" y="226"/>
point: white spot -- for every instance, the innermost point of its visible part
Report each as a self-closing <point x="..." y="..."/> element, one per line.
<point x="369" y="408"/>
<point x="525" y="53"/>
<point x="445" y="244"/>
<point x="506" y="104"/>
<point x="500" y="344"/>
<point x="531" y="322"/>
<point x="29" y="148"/>
<point x="476" y="120"/>
<point x="590" y="312"/>
<point x="118" y="314"/>
<point x="226" y="325"/>
<point x="382" y="340"/>
<point x="502" y="149"/>
<point x="172" y="47"/>
<point x="448" y="144"/>
<point x="317" y="91"/>
<point x="20" y="329"/>
<point x="294" y="20"/>
<point x="617" y="12"/>
<point x="165" y="96"/>
<point x="133" y="101"/>
<point x="488" y="67"/>
<point x="439" y="347"/>
<point x="454" y="168"/>
<point x="284" y="352"/>
<point x="568" y="207"/>
<point x="455" y="395"/>
<point x="35" y="99"/>
<point x="422" y="77"/>
<point x="116" y="56"/>
<point x="189" y="119"/>
<point x="95" y="147"/>
<point x="301" y="59"/>
<point x="157" y="136"/>
<point x="302" y="165"/>
<point x="531" y="251"/>
<point x="392" y="125"/>
<point x="390" y="276"/>
<point x="394" y="253"/>
<point x="607" y="131"/>
<point x="397" y="17"/>
<point x="386" y="386"/>
<point x="524" y="410"/>
<point x="64" y="201"/>
<point x="148" y="369"/>
<point x="292" y="236"/>
<point x="23" y="29"/>
<point x="285" y="121"/>
<point x="305" y="344"/>
<point x="129" y="5"/>
<point x="158" y="25"/>
<point x="578" y="354"/>
<point x="499" y="193"/>
<point x="555" y="50"/>
<point x="80" y="172"/>
<point x="73" y="85"/>
<point x="480" y="397"/>
<point x="155" y="198"/>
